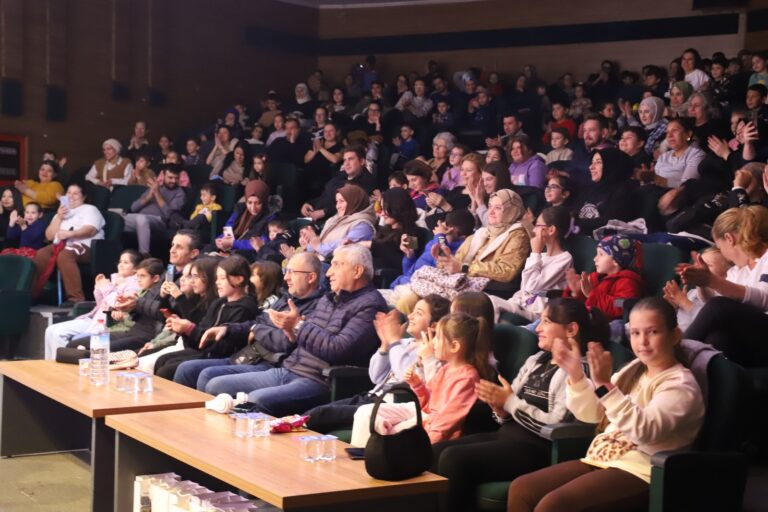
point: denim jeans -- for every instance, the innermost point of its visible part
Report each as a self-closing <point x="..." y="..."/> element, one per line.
<point x="277" y="391"/>
<point x="188" y="371"/>
<point x="228" y="386"/>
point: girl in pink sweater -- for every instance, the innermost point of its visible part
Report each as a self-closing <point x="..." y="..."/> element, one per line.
<point x="462" y="343"/>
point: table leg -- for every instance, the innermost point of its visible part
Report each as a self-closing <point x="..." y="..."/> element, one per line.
<point x="102" y="465"/>
<point x="33" y="423"/>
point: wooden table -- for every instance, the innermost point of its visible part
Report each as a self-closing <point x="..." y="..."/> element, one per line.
<point x="47" y="407"/>
<point x="199" y="445"/>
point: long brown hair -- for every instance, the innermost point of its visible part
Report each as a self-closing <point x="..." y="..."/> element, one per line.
<point x="474" y="333"/>
<point x="271" y="277"/>
<point x="237" y="266"/>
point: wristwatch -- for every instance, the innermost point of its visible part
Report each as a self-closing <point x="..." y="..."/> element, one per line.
<point x="601" y="391"/>
<point x="297" y="327"/>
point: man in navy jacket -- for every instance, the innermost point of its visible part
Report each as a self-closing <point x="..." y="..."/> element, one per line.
<point x="339" y="331"/>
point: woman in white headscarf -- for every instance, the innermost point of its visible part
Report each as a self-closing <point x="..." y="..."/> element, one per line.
<point x="651" y="114"/>
<point x="112" y="169"/>
<point x="302" y="103"/>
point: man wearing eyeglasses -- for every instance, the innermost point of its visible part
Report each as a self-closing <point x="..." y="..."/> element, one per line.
<point x="267" y="345"/>
<point x="339" y="331"/>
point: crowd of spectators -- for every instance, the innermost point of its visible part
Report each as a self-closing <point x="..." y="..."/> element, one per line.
<point x="449" y="201"/>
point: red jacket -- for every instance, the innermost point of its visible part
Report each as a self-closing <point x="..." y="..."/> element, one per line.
<point x="624" y="284"/>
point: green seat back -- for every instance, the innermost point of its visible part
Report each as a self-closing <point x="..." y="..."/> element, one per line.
<point x="225" y="196"/>
<point x="512" y="345"/>
<point x="198" y="174"/>
<point x="659" y="262"/>
<point x="16" y="272"/>
<point x="583" y="250"/>
<point x="113" y="226"/>
<point x="97" y="196"/>
<point x="124" y="196"/>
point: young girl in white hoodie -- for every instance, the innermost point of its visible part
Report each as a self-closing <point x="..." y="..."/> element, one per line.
<point x="545" y="267"/>
<point x="652" y="404"/>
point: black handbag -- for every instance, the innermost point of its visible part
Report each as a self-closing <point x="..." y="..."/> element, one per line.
<point x="402" y="455"/>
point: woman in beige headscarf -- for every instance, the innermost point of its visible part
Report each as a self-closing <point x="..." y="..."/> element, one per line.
<point x="497" y="251"/>
<point x="354" y="221"/>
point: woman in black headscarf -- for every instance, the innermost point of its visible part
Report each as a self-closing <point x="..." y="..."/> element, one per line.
<point x="611" y="195"/>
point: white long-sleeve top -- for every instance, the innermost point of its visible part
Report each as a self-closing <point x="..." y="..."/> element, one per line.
<point x="387" y="368"/>
<point x="541" y="274"/>
<point x="754" y="279"/>
<point x="661" y="413"/>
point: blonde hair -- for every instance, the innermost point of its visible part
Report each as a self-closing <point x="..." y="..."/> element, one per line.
<point x="475" y="159"/>
<point x="474" y="333"/>
<point x="748" y="225"/>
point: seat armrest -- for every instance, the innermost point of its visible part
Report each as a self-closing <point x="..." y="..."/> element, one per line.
<point x="575" y="430"/>
<point x="82" y="308"/>
<point x="706" y="459"/>
<point x="335" y="372"/>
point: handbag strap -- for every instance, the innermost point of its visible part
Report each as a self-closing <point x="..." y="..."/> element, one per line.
<point x="402" y="389"/>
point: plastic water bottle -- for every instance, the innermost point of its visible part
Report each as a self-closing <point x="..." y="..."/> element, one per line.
<point x="100" y="354"/>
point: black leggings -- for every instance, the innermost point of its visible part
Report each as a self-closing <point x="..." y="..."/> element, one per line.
<point x="736" y="328"/>
<point x="488" y="457"/>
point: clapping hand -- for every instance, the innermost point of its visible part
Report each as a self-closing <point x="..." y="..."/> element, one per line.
<point x="677" y="296"/>
<point x="567" y="355"/>
<point x="600" y="364"/>
<point x="695" y="274"/>
<point x="494" y="395"/>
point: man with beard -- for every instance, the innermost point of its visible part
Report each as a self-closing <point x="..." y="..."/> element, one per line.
<point x="155" y="207"/>
<point x="595" y="134"/>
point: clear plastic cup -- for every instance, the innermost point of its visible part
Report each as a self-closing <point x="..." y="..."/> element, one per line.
<point x="260" y="426"/>
<point x="143" y="382"/>
<point x="84" y="367"/>
<point x="242" y="426"/>
<point x="328" y="447"/>
<point x="310" y="448"/>
<point x="123" y="381"/>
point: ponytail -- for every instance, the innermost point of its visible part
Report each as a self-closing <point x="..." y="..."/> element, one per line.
<point x="475" y="335"/>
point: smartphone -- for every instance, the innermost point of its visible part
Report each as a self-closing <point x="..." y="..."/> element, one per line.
<point x="227" y="230"/>
<point x="413" y="242"/>
<point x="245" y="407"/>
<point x="165" y="312"/>
<point x="442" y="240"/>
<point x="170" y="272"/>
<point x="64" y="201"/>
<point x="355" y="453"/>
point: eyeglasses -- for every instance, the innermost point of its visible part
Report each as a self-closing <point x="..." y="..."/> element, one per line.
<point x="288" y="271"/>
<point x="192" y="277"/>
<point x="553" y="187"/>
<point x="540" y="226"/>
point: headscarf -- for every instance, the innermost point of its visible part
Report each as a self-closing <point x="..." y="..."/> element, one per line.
<point x="359" y="209"/>
<point x="306" y="98"/>
<point x="259" y="189"/>
<point x="114" y="144"/>
<point x="687" y="90"/>
<point x="356" y="198"/>
<point x="513" y="209"/>
<point x="656" y="106"/>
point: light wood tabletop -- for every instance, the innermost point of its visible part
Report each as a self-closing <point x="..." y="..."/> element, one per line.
<point x="62" y="383"/>
<point x="266" y="467"/>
